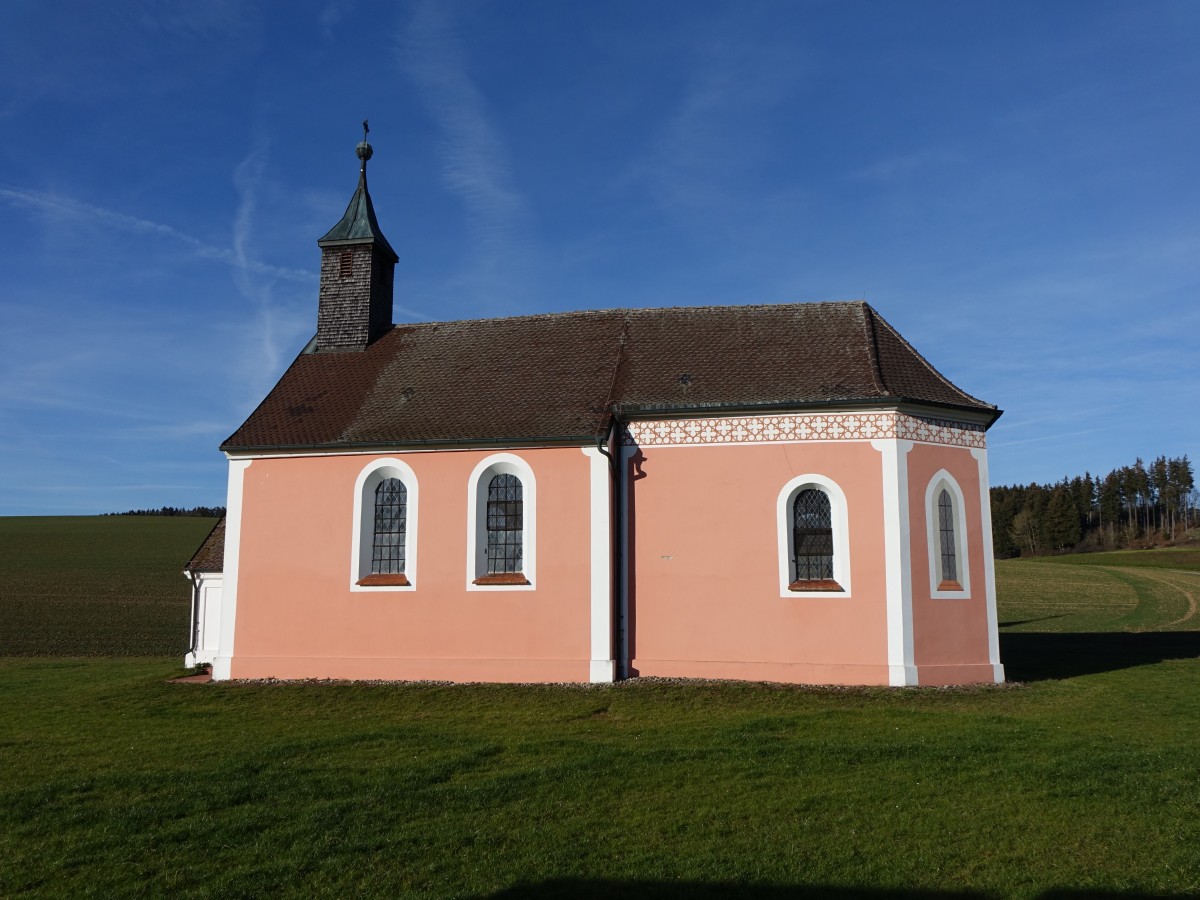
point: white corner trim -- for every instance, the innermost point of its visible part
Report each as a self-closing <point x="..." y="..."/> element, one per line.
<point x="223" y="660"/>
<point x="368" y="480"/>
<point x="603" y="667"/>
<point x="500" y="464"/>
<point x="943" y="479"/>
<point x="902" y="669"/>
<point x="841" y="535"/>
<point x="989" y="566"/>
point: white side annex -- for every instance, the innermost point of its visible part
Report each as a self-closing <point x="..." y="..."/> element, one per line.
<point x="206" y="616"/>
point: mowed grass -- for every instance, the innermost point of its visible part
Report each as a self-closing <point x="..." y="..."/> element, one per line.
<point x="96" y="585"/>
<point x="1187" y="558"/>
<point x="1038" y="595"/>
<point x="1064" y="619"/>
<point x="1084" y="780"/>
<point x="116" y="783"/>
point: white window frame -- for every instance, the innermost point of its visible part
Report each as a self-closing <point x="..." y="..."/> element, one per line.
<point x="477" y="491"/>
<point x="371" y="476"/>
<point x="841" y="534"/>
<point x="943" y="480"/>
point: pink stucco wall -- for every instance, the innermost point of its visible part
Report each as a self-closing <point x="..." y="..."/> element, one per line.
<point x="706" y="598"/>
<point x="298" y="618"/>
<point x="950" y="634"/>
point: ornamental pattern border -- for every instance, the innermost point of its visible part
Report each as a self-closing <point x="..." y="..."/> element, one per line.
<point x="806" y="427"/>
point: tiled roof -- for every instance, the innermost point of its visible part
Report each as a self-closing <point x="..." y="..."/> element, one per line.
<point x="554" y="377"/>
<point x="210" y="555"/>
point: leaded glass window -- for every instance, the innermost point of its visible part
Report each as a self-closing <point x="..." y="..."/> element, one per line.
<point x="391" y="514"/>
<point x="505" y="525"/>
<point x="812" y="536"/>
<point x="946" y="530"/>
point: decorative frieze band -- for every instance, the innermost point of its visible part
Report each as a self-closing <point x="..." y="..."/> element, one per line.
<point x="815" y="427"/>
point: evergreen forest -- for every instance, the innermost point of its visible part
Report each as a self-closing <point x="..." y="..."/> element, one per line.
<point x="1134" y="506"/>
<point x="205" y="512"/>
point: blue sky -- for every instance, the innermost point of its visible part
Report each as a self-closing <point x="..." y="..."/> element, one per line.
<point x="1013" y="185"/>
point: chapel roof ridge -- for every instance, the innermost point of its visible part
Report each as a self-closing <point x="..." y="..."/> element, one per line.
<point x="637" y="311"/>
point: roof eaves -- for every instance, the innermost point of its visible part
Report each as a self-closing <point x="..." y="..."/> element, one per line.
<point x="196" y="564"/>
<point x="430" y="444"/>
<point x="929" y="366"/>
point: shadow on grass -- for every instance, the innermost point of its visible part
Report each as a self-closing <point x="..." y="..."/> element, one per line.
<point x="1037" y="656"/>
<point x="1016" y="622"/>
<point x="584" y="889"/>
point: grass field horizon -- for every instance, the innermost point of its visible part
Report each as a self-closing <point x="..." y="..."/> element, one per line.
<point x="1082" y="778"/>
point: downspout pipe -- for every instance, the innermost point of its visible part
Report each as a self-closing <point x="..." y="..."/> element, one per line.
<point x="193" y="580"/>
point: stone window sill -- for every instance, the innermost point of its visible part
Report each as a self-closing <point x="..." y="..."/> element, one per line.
<point x="379" y="580"/>
<point x="824" y="585"/>
<point x="502" y="578"/>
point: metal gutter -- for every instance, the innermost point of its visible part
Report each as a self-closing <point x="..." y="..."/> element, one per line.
<point x="633" y="410"/>
<point x="582" y="440"/>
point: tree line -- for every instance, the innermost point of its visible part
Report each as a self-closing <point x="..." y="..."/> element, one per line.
<point x="208" y="512"/>
<point x="1128" y="507"/>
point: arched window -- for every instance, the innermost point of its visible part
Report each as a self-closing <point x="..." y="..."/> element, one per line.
<point x="946" y="533"/>
<point x="384" y="552"/>
<point x="501" y="520"/>
<point x="391" y="515"/>
<point x="505" y="523"/>
<point x="814" y="538"/>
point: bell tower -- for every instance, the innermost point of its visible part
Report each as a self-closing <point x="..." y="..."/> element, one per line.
<point x="357" y="266"/>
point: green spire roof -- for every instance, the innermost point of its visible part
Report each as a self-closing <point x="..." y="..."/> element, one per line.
<point x="359" y="225"/>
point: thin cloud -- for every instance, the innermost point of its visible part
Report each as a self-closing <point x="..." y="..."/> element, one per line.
<point x="474" y="157"/>
<point x="181" y="430"/>
<point x="739" y="73"/>
<point x="331" y="15"/>
<point x="61" y="208"/>
<point x="1057" y="436"/>
<point x="906" y="165"/>
<point x="275" y="328"/>
<point x="1058" y="415"/>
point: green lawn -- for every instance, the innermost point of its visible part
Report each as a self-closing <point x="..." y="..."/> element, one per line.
<point x="1166" y="558"/>
<point x="1082" y="781"/>
<point x="1038" y="595"/>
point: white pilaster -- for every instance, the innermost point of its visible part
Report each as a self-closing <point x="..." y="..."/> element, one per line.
<point x="603" y="667"/>
<point x="902" y="669"/>
<point x="223" y="661"/>
<point x="989" y="565"/>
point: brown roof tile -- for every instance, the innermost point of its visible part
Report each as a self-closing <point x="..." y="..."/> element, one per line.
<point x="210" y="555"/>
<point x="553" y="377"/>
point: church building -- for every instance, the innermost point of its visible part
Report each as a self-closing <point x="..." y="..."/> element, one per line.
<point x="785" y="492"/>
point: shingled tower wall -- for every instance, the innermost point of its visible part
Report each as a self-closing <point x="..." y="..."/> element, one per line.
<point x="357" y="267"/>
<point x="355" y="301"/>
